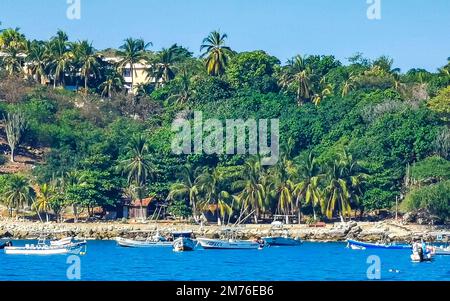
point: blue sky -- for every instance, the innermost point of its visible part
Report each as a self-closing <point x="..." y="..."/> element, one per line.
<point x="416" y="33"/>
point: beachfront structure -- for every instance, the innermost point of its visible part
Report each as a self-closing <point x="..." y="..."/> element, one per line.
<point x="137" y="210"/>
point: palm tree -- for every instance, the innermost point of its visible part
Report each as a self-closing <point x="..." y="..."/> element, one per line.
<point x="216" y="53"/>
<point x="44" y="195"/>
<point x="88" y="61"/>
<point x="297" y="76"/>
<point x="214" y="195"/>
<point x="12" y="38"/>
<point x="13" y="60"/>
<point x="326" y="90"/>
<point x="61" y="57"/>
<point x="18" y="193"/>
<point x="354" y="176"/>
<point x="344" y="185"/>
<point x="253" y="193"/>
<point x="187" y="187"/>
<point x="138" y="164"/>
<point x="132" y="52"/>
<point x="37" y="60"/>
<point x="307" y="189"/>
<point x="349" y="84"/>
<point x="163" y="64"/>
<point x="113" y="82"/>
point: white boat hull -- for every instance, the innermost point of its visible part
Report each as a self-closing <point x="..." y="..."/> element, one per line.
<point x="130" y="243"/>
<point x="45" y="250"/>
<point x="184" y="244"/>
<point x="208" y="243"/>
<point x="281" y="241"/>
<point x="442" y="251"/>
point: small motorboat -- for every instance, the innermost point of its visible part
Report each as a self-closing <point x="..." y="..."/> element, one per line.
<point x="151" y="241"/>
<point x="184" y="244"/>
<point x="43" y="248"/>
<point x="441" y="250"/>
<point x="422" y="252"/>
<point x="230" y="239"/>
<point x="280" y="237"/>
<point x="358" y="245"/>
<point x="281" y="241"/>
<point x="208" y="243"/>
<point x="183" y="241"/>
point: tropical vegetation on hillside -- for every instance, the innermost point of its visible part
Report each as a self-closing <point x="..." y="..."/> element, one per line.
<point x="355" y="137"/>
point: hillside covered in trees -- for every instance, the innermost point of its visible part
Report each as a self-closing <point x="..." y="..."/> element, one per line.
<point x="355" y="136"/>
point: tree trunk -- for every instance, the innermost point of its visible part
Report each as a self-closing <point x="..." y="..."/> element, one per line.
<point x="132" y="76"/>
<point x="39" y="215"/>
<point x="75" y="213"/>
<point x="85" y="84"/>
<point x="12" y="154"/>
<point x="46" y="217"/>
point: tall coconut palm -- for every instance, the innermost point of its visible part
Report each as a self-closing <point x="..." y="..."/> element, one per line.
<point x="113" y="82"/>
<point x="215" y="196"/>
<point x="307" y="189"/>
<point x="217" y="54"/>
<point x="37" y="60"/>
<point x="336" y="192"/>
<point x="163" y="64"/>
<point x="13" y="60"/>
<point x="61" y="57"/>
<point x="132" y="52"/>
<point x="283" y="187"/>
<point x="137" y="165"/>
<point x="87" y="60"/>
<point x="354" y="176"/>
<point x="252" y="193"/>
<point x="297" y="76"/>
<point x="187" y="187"/>
<point x="18" y="193"/>
<point x="44" y="195"/>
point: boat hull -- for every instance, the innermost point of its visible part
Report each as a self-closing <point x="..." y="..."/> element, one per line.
<point x="281" y="241"/>
<point x="442" y="251"/>
<point x="184" y="244"/>
<point x="367" y="245"/>
<point x="75" y="248"/>
<point x="208" y="243"/>
<point x="130" y="243"/>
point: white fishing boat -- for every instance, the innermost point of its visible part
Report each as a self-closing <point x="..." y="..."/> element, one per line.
<point x="208" y="243"/>
<point x="151" y="241"/>
<point x="230" y="239"/>
<point x="183" y="241"/>
<point x="44" y="248"/>
<point x="442" y="250"/>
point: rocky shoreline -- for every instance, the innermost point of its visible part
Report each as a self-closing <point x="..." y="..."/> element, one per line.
<point x="365" y="231"/>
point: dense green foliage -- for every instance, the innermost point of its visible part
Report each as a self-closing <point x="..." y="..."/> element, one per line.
<point x="348" y="132"/>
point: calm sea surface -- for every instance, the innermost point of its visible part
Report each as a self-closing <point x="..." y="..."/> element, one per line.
<point x="310" y="261"/>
